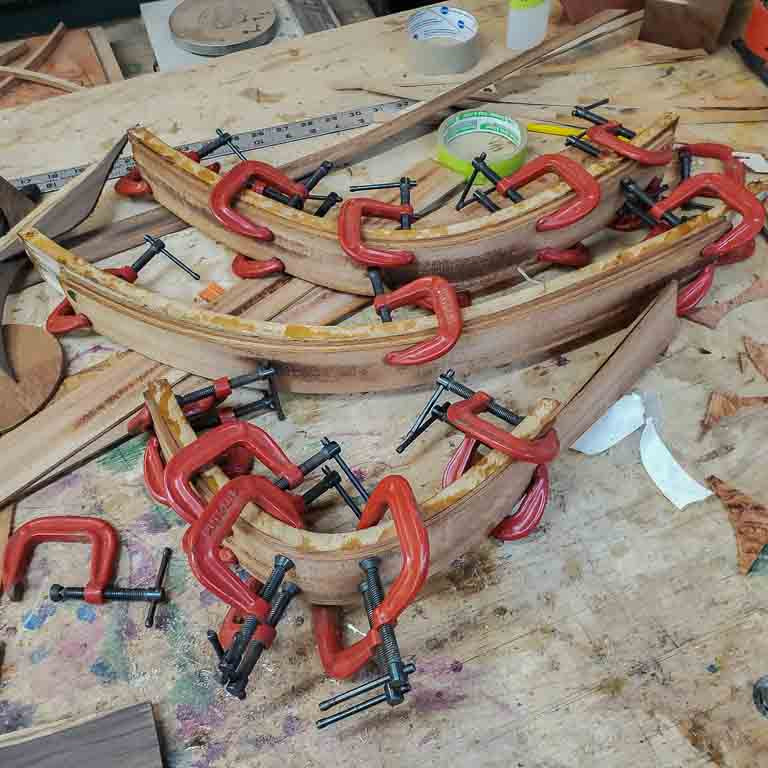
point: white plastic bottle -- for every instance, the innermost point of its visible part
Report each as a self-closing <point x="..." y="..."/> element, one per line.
<point x="527" y="23"/>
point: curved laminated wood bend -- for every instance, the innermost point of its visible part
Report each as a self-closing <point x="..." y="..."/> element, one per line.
<point x="472" y="254"/>
<point x="459" y="517"/>
<point x="512" y="328"/>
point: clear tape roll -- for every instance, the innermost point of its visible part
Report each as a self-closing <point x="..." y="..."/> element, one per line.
<point x="442" y="41"/>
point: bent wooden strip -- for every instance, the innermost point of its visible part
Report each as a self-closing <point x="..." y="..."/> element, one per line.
<point x="472" y="253"/>
<point x="105" y="400"/>
<point x="348" y="150"/>
<point x="511" y="328"/>
<point x="38" y="56"/>
<point x="41" y="78"/>
<point x="459" y="517"/>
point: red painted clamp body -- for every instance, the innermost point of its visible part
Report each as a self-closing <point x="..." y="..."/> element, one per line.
<point x="63" y="319"/>
<point x="395" y="493"/>
<point x="350" y="230"/>
<point x="235" y="181"/>
<point x="691" y="295"/>
<point x="443" y="301"/>
<point x="733" y="168"/>
<point x="581" y="181"/>
<point x="248" y="269"/>
<point x="142" y="421"/>
<point x="193" y="457"/>
<point x="576" y="256"/>
<point x="134" y="185"/>
<point x="532" y="504"/>
<point x="730" y="192"/>
<point x="101" y="535"/>
<point x="528" y="516"/>
<point x="206" y="536"/>
<point x="463" y="416"/>
<point x="605" y="136"/>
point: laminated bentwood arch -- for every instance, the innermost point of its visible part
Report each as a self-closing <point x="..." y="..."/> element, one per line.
<point x="472" y="254"/>
<point x="508" y="329"/>
<point x="457" y="518"/>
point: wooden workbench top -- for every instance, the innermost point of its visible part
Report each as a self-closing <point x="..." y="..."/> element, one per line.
<point x="620" y="634"/>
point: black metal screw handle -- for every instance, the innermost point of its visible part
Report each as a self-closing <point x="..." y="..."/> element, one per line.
<point x="237" y="686"/>
<point x="345" y="468"/>
<point x="587" y="113"/>
<point x="632" y="189"/>
<point x="579" y="143"/>
<point x="331" y="479"/>
<point x="261" y="373"/>
<point x="156" y="245"/>
<point x="228" y="139"/>
<point x="58" y="593"/>
<point x="159" y="579"/>
<point x="446" y="379"/>
<point x="311" y="180"/>
<point x="230" y="659"/>
<point x="328" y="202"/>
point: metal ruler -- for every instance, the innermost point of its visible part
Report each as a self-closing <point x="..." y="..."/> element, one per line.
<point x="260" y="138"/>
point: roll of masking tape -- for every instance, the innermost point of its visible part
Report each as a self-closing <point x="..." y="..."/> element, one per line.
<point x="467" y="134"/>
<point x="442" y="41"/>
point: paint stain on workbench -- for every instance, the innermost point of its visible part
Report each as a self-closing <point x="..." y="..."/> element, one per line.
<point x="612" y="686"/>
<point x="35" y="619"/>
<point x="15" y="716"/>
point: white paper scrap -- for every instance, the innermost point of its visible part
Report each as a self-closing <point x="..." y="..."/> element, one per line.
<point x="670" y="478"/>
<point x="624" y="417"/>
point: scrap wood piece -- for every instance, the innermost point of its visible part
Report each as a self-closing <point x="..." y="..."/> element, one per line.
<point x="748" y="518"/>
<point x="577" y="11"/>
<point x="348" y="150"/>
<point x="758" y="354"/>
<point x="724" y="404"/>
<point x="13" y="53"/>
<point x="711" y="315"/>
<point x="685" y="23"/>
<point x="41" y="78"/>
<point x="38" y="56"/>
<point x="127" y="736"/>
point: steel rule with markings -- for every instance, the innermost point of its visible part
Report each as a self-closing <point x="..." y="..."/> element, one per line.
<point x="260" y="138"/>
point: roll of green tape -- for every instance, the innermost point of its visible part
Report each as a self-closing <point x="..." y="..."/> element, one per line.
<point x="467" y="134"/>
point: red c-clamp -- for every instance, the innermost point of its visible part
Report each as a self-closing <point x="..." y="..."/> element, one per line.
<point x="134" y="185"/>
<point x="350" y="230"/>
<point x="440" y="296"/>
<point x="605" y="136"/>
<point x="237" y="179"/>
<point x="463" y="416"/>
<point x="393" y="493"/>
<point x="206" y="535"/>
<point x="581" y="181"/>
<point x="730" y="192"/>
<point x="63" y="318"/>
<point x="193" y="457"/>
<point x="101" y="535"/>
<point x="249" y="269"/>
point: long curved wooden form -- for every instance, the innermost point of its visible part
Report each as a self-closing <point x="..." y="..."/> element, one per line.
<point x="473" y="254"/>
<point x="512" y="328"/>
<point x="459" y="517"/>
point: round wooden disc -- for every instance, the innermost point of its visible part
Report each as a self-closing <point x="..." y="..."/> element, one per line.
<point x="38" y="364"/>
<point x="216" y="27"/>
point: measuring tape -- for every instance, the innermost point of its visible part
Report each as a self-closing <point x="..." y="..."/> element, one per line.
<point x="261" y="138"/>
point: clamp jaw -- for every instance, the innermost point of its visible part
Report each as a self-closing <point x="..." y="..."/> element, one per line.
<point x="393" y="493"/>
<point x="239" y="178"/>
<point x="608" y="136"/>
<point x="582" y="182"/>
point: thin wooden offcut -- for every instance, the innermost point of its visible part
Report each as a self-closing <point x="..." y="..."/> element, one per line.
<point x="125" y="737"/>
<point x="724" y="404"/>
<point x="11" y="54"/>
<point x="758" y="354"/>
<point x="40" y="77"/>
<point x="348" y="150"/>
<point x="748" y="518"/>
<point x="37" y="57"/>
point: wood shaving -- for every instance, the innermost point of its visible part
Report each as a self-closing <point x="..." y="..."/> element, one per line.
<point x="758" y="354"/>
<point x="748" y="518"/>
<point x="722" y="404"/>
<point x="711" y="315"/>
